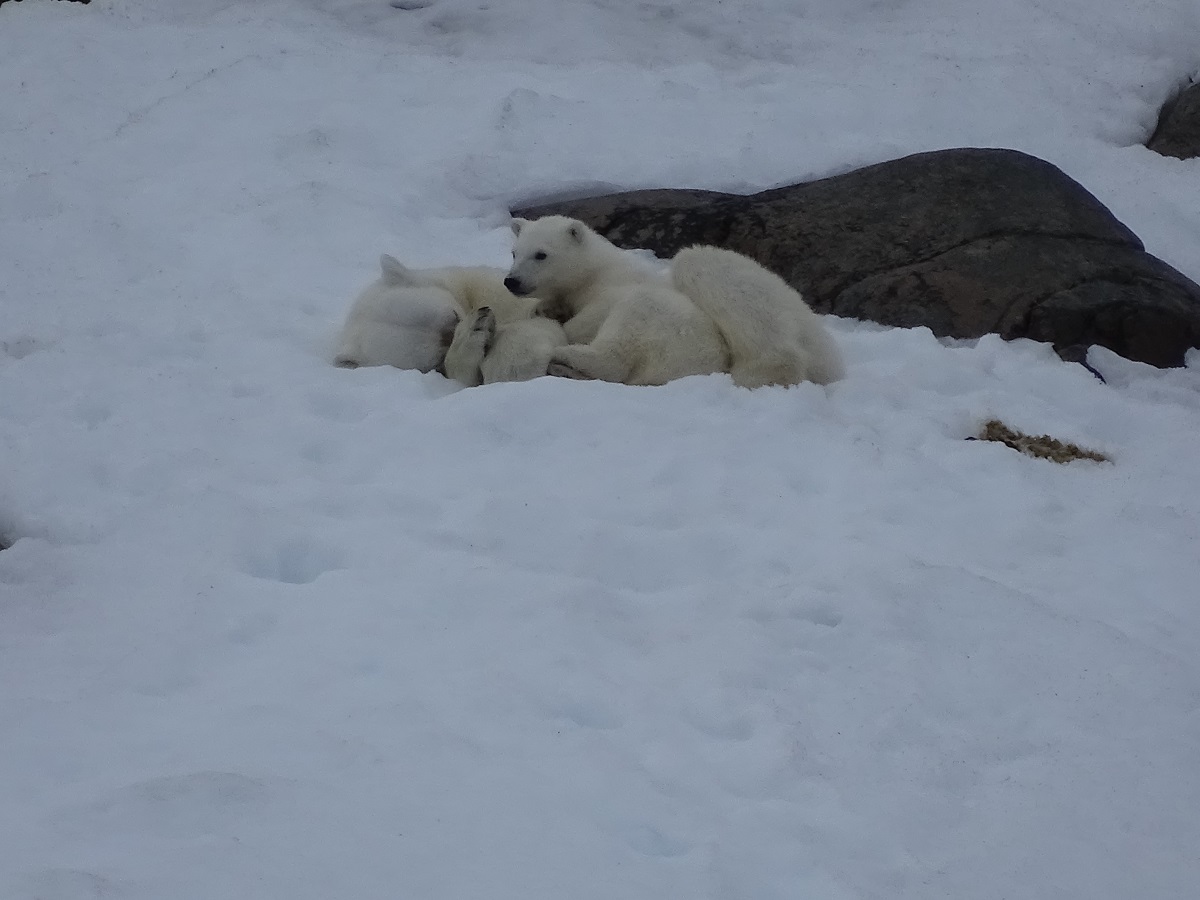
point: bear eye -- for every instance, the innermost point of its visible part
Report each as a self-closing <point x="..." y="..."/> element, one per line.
<point x="541" y="254"/>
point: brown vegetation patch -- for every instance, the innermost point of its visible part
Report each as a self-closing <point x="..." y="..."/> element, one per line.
<point x="1041" y="446"/>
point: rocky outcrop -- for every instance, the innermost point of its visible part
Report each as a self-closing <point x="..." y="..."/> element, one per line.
<point x="1178" y="131"/>
<point x="966" y="242"/>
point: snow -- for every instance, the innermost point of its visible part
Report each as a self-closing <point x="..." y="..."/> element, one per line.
<point x="273" y="629"/>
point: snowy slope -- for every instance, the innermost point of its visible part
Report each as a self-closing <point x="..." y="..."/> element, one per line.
<point x="270" y="629"/>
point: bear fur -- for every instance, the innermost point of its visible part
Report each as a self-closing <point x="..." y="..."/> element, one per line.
<point x="624" y="320"/>
<point x="773" y="336"/>
<point x="484" y="351"/>
<point x="407" y="317"/>
<point x="718" y="311"/>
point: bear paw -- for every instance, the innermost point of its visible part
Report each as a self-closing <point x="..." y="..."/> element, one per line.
<point x="484" y="327"/>
<point x="559" y="369"/>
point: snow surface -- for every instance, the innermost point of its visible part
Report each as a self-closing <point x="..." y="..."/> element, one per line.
<point x="271" y="629"/>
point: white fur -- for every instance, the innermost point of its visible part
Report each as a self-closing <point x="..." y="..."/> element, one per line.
<point x="772" y="334"/>
<point x="484" y="351"/>
<point x="625" y="321"/>
<point x="407" y="317"/>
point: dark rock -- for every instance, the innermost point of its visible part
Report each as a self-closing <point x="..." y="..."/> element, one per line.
<point x="1178" y="131"/>
<point x="964" y="241"/>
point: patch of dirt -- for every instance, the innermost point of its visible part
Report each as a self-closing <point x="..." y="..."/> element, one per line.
<point x="1041" y="446"/>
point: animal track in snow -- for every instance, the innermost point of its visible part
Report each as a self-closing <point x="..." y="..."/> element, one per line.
<point x="726" y="728"/>
<point x="295" y="560"/>
<point x="587" y="714"/>
<point x="186" y="805"/>
<point x="250" y="629"/>
<point x="242" y="390"/>
<point x="21" y="347"/>
<point x="92" y="413"/>
<point x="817" y="614"/>
<point x="67" y="884"/>
<point x="649" y="841"/>
<point x="313" y="142"/>
<point x="322" y="452"/>
<point x="820" y="615"/>
<point x="336" y="407"/>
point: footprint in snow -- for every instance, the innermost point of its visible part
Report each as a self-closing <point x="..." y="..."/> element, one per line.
<point x="336" y="407"/>
<point x="92" y="413"/>
<point x="824" y="616"/>
<point x="21" y="347"/>
<point x="721" y="727"/>
<point x="252" y="628"/>
<point x="649" y="841"/>
<point x="246" y="390"/>
<point x="66" y="884"/>
<point x="820" y="615"/>
<point x="187" y="805"/>
<point x="295" y="560"/>
<point x="587" y="714"/>
<point x="322" y="452"/>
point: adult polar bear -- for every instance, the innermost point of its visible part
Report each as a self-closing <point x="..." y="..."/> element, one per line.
<point x="407" y="317"/>
<point x="718" y="311"/>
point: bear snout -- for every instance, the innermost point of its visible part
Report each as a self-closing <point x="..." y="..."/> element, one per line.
<point x="515" y="286"/>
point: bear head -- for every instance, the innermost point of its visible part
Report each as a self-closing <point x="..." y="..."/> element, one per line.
<point x="552" y="256"/>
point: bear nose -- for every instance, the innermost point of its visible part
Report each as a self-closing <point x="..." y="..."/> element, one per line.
<point x="514" y="285"/>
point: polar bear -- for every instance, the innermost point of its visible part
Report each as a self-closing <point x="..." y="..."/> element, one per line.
<point x="718" y="311"/>
<point x="407" y="317"/>
<point x="773" y="336"/>
<point x="624" y="320"/>
<point x="484" y="351"/>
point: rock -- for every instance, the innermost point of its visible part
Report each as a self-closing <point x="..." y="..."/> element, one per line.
<point x="965" y="242"/>
<point x="1178" y="131"/>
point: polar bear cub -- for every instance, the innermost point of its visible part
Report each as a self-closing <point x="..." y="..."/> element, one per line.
<point x="407" y="317"/>
<point x="624" y="320"/>
<point x="774" y="337"/>
<point x="484" y="351"/>
<point x="718" y="311"/>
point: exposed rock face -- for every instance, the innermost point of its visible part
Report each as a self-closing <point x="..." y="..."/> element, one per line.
<point x="966" y="242"/>
<point x="1178" y="131"/>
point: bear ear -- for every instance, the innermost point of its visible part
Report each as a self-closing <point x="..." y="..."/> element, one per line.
<point x="395" y="272"/>
<point x="518" y="224"/>
<point x="575" y="231"/>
